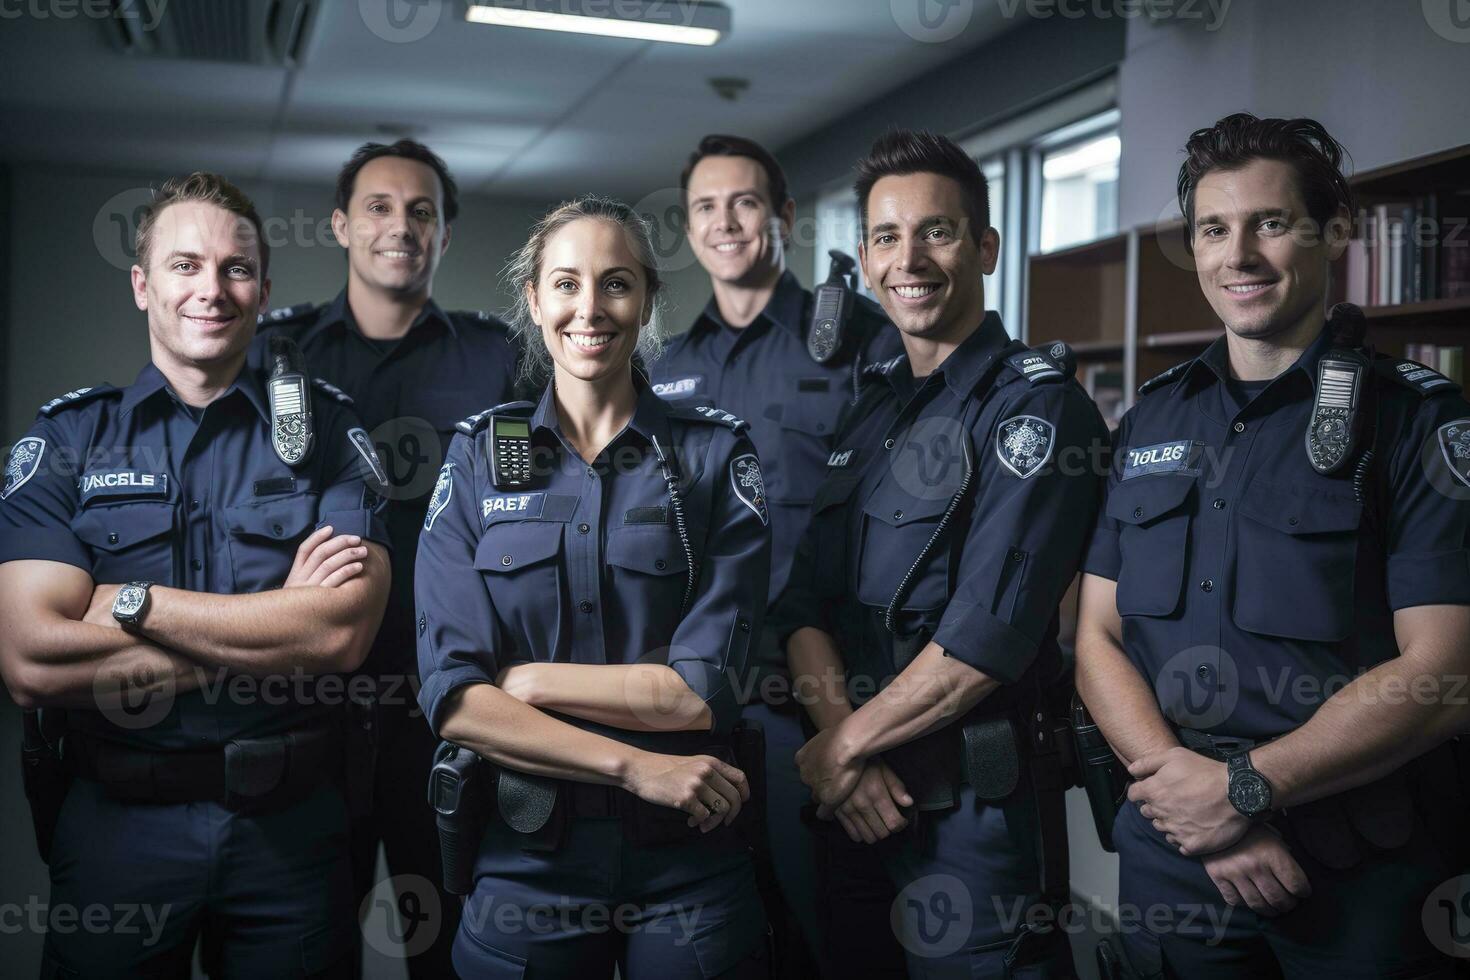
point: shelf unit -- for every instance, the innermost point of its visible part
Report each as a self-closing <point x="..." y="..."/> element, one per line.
<point x="1131" y="304"/>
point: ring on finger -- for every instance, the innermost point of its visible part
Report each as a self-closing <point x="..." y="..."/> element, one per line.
<point x="716" y="805"/>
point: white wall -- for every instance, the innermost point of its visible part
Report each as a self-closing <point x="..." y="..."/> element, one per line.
<point x="1376" y="74"/>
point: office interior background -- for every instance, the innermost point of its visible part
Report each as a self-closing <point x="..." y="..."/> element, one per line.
<point x="1076" y="109"/>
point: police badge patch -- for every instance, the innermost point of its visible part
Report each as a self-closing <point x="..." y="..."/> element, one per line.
<point x="1454" y="445"/>
<point x="363" y="443"/>
<point x="1023" y="444"/>
<point x="745" y="477"/>
<point x="443" y="490"/>
<point x="25" y="459"/>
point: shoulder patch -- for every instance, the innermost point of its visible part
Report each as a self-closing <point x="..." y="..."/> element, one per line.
<point x="749" y="485"/>
<point x="1159" y="380"/>
<point x="1413" y="375"/>
<point x="330" y="389"/>
<point x="1035" y="366"/>
<point x="1024" y="443"/>
<point x="706" y="413"/>
<point x="281" y="315"/>
<point x="25" y="459"/>
<point x="479" y="420"/>
<point x="443" y="490"/>
<point x="76" y="397"/>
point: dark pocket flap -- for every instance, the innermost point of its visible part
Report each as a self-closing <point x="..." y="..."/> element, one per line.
<point x="282" y="518"/>
<point x="653" y="550"/>
<point x="1292" y="510"/>
<point x="834" y="491"/>
<point x="814" y="413"/>
<point x="1147" y="498"/>
<point x="511" y="546"/>
<point x="896" y="507"/>
<point x="113" y="527"/>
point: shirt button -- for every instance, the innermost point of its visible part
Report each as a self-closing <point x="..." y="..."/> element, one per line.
<point x="276" y="530"/>
<point x="744" y="625"/>
<point x="887" y="443"/>
<point x="1208" y="585"/>
<point x="507" y="560"/>
<point x="112" y="538"/>
<point x="196" y="564"/>
<point x="1292" y="521"/>
<point x="898" y="515"/>
<point x="194" y="504"/>
<point x="1239" y="427"/>
<point x="1137" y="512"/>
<point x="591" y="472"/>
<point x="1204" y="671"/>
<point x="660" y="564"/>
<point x="583" y="528"/>
<point x="1219" y="503"/>
<point x="585" y="606"/>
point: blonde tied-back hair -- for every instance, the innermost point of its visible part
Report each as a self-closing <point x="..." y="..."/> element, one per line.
<point x="525" y="267"/>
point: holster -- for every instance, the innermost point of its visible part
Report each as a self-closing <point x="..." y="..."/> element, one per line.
<point x="44" y="773"/>
<point x="1100" y="773"/>
<point x="457" y="791"/>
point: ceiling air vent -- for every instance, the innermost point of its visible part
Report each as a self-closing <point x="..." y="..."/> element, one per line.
<point x="252" y="32"/>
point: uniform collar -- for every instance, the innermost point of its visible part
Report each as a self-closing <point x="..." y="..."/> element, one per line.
<point x="967" y="362"/>
<point x="650" y="414"/>
<point x="784" y="308"/>
<point x="151" y="382"/>
<point x="1214" y="364"/>
<point x="338" y="313"/>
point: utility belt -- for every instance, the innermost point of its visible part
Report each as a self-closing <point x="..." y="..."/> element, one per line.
<point x="248" y="775"/>
<point x="467" y="792"/>
<point x="1340" y="830"/>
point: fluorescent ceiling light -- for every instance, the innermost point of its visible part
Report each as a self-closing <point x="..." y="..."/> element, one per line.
<point x="675" y="21"/>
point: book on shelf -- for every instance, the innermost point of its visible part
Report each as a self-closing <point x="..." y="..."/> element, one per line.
<point x="1406" y="253"/>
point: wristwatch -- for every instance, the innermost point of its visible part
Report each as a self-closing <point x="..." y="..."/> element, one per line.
<point x="131" y="603"/>
<point x="1248" y="790"/>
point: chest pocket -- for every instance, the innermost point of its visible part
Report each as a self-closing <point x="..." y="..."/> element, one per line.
<point x="648" y="571"/>
<point x="1295" y="562"/>
<point x="263" y="539"/>
<point x="895" y="528"/>
<point x="518" y="561"/>
<point x="1153" y="540"/>
<point x="829" y="535"/>
<point x="807" y="423"/>
<point x="128" y="541"/>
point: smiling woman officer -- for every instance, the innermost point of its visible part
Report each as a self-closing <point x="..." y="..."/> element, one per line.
<point x="591" y="573"/>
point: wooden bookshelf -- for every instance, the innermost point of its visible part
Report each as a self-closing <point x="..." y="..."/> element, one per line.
<point x="1133" y="300"/>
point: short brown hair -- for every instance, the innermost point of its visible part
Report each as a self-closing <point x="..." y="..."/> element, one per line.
<point x="717" y="145"/>
<point x="406" y="149"/>
<point x="210" y="189"/>
<point x="901" y="152"/>
<point x="1238" y="139"/>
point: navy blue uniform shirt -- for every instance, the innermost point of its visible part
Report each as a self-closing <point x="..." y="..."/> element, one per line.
<point x="410" y="393"/>
<point x="988" y="594"/>
<point x="130" y="484"/>
<point x="763" y="374"/>
<point x="1251" y="587"/>
<point x="586" y="565"/>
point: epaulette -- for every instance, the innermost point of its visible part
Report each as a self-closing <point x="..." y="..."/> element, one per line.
<point x="705" y="413"/>
<point x="1413" y="375"/>
<point x="1163" y="379"/>
<point x="299" y="311"/>
<point x="76" y="397"/>
<point x="1036" y="366"/>
<point x="330" y="389"/>
<point x="479" y="420"/>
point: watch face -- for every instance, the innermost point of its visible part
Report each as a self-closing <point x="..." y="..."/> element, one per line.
<point x="129" y="600"/>
<point x="1249" y="793"/>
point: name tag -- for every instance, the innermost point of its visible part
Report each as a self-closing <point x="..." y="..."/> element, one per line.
<point x="520" y="504"/>
<point x="678" y="388"/>
<point x="123" y="483"/>
<point x="842" y="459"/>
<point x="1165" y="457"/>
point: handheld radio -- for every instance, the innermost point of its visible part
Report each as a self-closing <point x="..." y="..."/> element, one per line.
<point x="510" y="452"/>
<point x="832" y="309"/>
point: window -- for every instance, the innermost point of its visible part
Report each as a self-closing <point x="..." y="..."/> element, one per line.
<point x="995" y="175"/>
<point x="837" y="227"/>
<point x="1079" y="183"/>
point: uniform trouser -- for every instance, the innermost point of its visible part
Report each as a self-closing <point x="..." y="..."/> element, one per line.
<point x="1361" y="922"/>
<point x="270" y="893"/>
<point x="968" y="884"/>
<point x="682" y="911"/>
<point x="403" y="821"/>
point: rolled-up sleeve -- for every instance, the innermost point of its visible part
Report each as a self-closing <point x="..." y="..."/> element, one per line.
<point x="711" y="646"/>
<point x="456" y="622"/>
<point x="1429" y="507"/>
<point x="351" y="494"/>
<point x="1026" y="536"/>
<point x="1103" y="557"/>
<point x="40" y="499"/>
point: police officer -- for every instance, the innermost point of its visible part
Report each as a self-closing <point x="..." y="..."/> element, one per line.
<point x="756" y="352"/>
<point x="413" y="370"/>
<point x="591" y="577"/>
<point x="923" y="602"/>
<point x="1283" y="546"/>
<point x="146" y="534"/>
